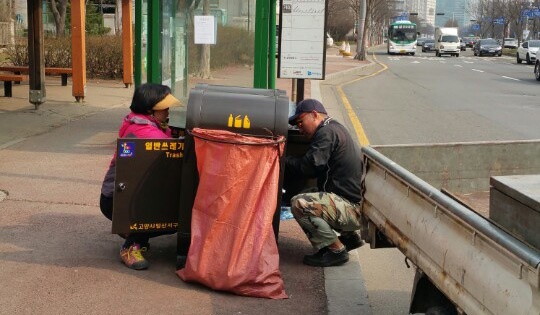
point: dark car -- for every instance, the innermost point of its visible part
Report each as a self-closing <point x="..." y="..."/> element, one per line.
<point x="470" y="41"/>
<point x="420" y="41"/>
<point x="429" y="45"/>
<point x="488" y="46"/>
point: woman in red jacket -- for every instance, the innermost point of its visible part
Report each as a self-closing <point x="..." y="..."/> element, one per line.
<point x="148" y="119"/>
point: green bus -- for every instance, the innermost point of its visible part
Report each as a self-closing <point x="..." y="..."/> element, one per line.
<point x="402" y="38"/>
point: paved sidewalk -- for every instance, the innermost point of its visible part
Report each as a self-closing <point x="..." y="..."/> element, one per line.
<point x="56" y="250"/>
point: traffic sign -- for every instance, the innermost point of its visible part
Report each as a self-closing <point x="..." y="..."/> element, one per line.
<point x="530" y="12"/>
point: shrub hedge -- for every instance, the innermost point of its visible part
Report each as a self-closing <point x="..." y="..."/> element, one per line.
<point x="103" y="55"/>
<point x="233" y="46"/>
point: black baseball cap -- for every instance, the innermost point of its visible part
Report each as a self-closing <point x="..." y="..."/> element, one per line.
<point x="306" y="106"/>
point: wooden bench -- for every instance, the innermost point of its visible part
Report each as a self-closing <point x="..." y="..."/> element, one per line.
<point x="64" y="72"/>
<point x="8" y="81"/>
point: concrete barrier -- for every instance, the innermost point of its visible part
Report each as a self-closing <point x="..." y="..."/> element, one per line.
<point x="465" y="167"/>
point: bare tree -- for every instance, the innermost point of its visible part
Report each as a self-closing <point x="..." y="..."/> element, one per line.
<point x="514" y="11"/>
<point x="479" y="11"/>
<point x="204" y="56"/>
<point x="337" y="25"/>
<point x="6" y="10"/>
<point x="341" y="17"/>
<point x="378" y="13"/>
<point x="493" y="10"/>
<point x="502" y="14"/>
<point x="361" y="30"/>
<point x="536" y="21"/>
<point x="59" y="8"/>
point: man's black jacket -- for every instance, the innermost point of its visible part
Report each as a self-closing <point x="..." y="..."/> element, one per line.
<point x="334" y="158"/>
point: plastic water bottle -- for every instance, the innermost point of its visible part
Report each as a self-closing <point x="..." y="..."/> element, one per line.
<point x="285" y="213"/>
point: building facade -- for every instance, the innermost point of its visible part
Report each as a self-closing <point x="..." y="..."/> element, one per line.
<point x="424" y="8"/>
<point x="452" y="10"/>
<point x="397" y="5"/>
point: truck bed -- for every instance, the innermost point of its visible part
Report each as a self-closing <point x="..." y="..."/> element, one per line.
<point x="423" y="199"/>
<point x="476" y="201"/>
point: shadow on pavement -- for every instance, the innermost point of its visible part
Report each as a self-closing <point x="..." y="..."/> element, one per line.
<point x="59" y="241"/>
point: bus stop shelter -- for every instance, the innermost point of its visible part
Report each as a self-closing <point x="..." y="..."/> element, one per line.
<point x="156" y="50"/>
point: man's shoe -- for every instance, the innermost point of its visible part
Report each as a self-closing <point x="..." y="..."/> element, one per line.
<point x="326" y="258"/>
<point x="132" y="257"/>
<point x="351" y="240"/>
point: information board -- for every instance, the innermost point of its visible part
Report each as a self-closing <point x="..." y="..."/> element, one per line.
<point x="204" y="26"/>
<point x="302" y="47"/>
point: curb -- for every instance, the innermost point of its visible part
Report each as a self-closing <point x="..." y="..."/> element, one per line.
<point x="345" y="286"/>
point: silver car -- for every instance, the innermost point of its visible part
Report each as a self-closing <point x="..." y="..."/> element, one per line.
<point x="510" y="43"/>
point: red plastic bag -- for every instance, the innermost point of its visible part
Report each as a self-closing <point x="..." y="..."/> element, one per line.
<point x="233" y="247"/>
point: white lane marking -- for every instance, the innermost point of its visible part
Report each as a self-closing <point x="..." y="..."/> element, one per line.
<point x="477" y="70"/>
<point x="458" y="66"/>
<point x="466" y="61"/>
<point x="415" y="61"/>
<point x="510" y="78"/>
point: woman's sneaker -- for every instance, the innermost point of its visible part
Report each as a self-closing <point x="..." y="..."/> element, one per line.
<point x="132" y="257"/>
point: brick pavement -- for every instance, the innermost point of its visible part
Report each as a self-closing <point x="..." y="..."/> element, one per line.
<point x="57" y="253"/>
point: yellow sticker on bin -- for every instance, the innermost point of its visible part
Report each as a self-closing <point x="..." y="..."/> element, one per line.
<point x="239" y="122"/>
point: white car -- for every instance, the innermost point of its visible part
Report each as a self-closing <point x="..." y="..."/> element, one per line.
<point x="510" y="43"/>
<point x="527" y="51"/>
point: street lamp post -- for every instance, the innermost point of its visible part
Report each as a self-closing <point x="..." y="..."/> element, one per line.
<point x="453" y="17"/>
<point x="439" y="13"/>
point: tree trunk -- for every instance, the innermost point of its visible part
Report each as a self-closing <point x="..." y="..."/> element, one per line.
<point x="204" y="57"/>
<point x="58" y="8"/>
<point x="118" y="17"/>
<point x="60" y="28"/>
<point x="365" y="37"/>
<point x="360" y="31"/>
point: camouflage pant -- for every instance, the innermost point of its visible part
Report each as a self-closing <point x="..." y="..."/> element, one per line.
<point x="320" y="214"/>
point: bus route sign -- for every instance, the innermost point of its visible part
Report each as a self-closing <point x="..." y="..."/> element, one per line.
<point x="302" y="48"/>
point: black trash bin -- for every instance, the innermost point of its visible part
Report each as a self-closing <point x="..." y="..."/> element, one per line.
<point x="248" y="111"/>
